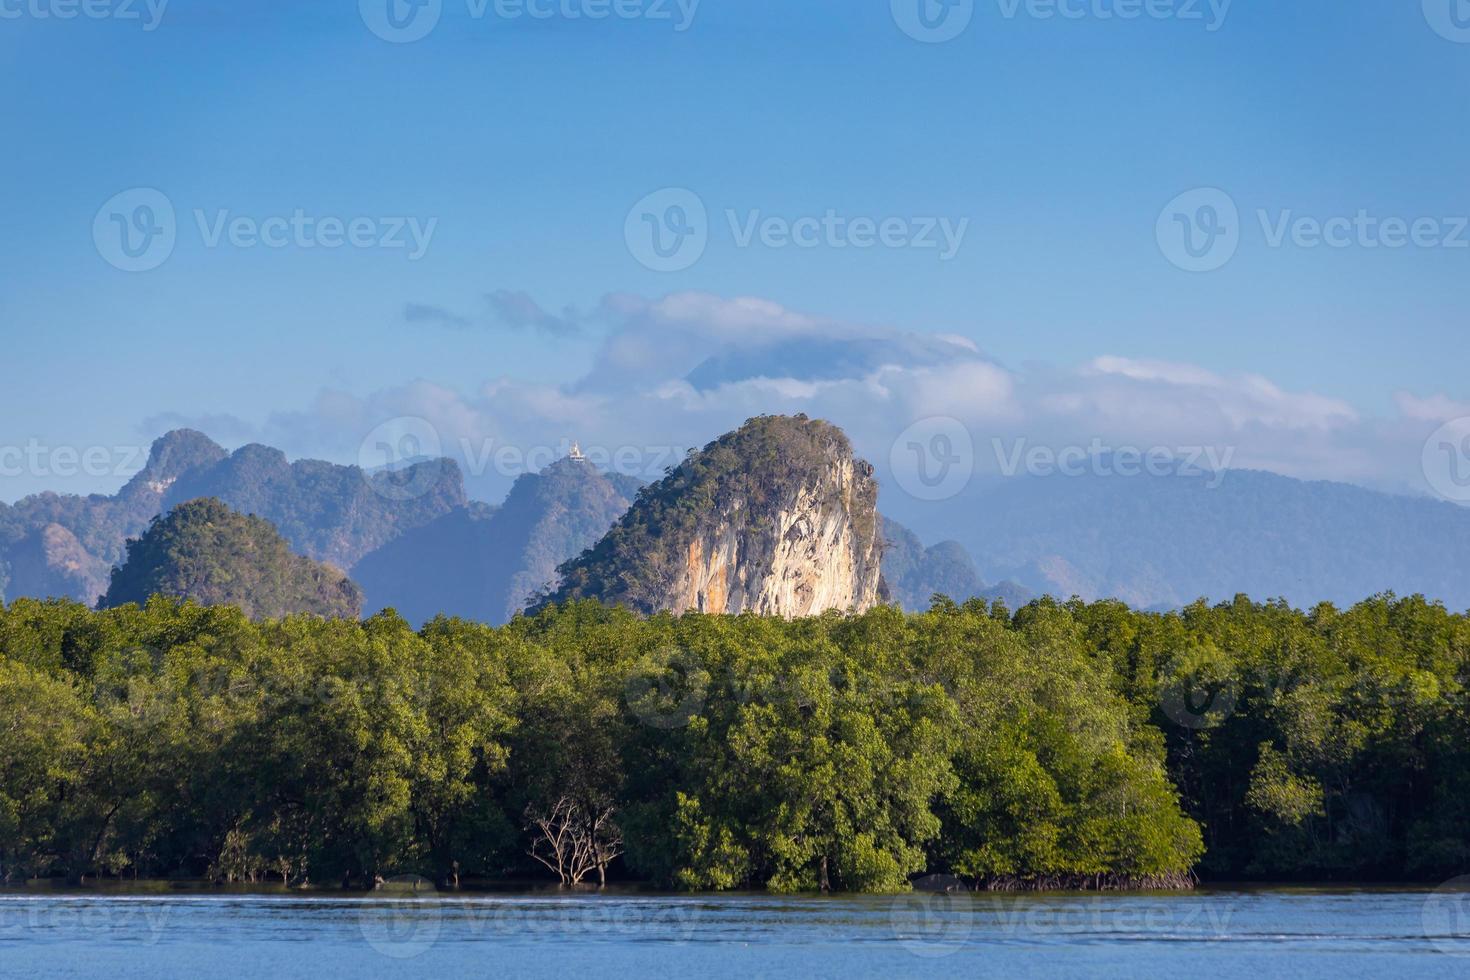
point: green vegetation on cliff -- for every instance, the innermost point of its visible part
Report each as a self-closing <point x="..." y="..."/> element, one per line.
<point x="740" y="480"/>
<point x="207" y="552"/>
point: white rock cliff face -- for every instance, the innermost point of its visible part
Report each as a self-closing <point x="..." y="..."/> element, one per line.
<point x="777" y="518"/>
<point x="820" y="551"/>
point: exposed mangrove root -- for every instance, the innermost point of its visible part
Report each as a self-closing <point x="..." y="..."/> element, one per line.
<point x="1169" y="881"/>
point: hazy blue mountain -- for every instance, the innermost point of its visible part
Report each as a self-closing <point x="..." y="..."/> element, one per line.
<point x="485" y="563"/>
<point x="1166" y="541"/>
<point x="441" y="567"/>
<point x="50" y="561"/>
<point x="1013" y="594"/>
<point x="915" y="574"/>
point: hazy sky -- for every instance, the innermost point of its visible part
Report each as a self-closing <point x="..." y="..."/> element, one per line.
<point x="1015" y="188"/>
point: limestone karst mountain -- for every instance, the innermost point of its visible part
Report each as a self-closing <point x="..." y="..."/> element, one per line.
<point x="1154" y="542"/>
<point x="203" y="550"/>
<point x="778" y="518"/>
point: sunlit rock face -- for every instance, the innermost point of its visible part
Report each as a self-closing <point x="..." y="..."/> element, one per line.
<point x="776" y="518"/>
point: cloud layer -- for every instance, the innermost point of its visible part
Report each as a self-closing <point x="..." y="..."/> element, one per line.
<point x="674" y="372"/>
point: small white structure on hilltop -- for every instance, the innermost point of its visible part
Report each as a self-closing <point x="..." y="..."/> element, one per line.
<point x="576" y="454"/>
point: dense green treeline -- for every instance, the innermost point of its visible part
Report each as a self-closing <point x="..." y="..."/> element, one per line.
<point x="1328" y="745"/>
<point x="1065" y="744"/>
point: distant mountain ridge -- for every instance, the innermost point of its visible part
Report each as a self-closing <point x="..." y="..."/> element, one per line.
<point x="416" y="543"/>
<point x="915" y="574"/>
<point x="1165" y="541"/>
<point x="326" y="512"/>
<point x="485" y="563"/>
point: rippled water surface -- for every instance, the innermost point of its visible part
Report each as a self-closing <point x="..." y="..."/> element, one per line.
<point x="1303" y="934"/>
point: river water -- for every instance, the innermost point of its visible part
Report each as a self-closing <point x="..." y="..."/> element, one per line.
<point x="1304" y="934"/>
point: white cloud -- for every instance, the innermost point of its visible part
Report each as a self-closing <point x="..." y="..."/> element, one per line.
<point x="875" y="383"/>
<point x="1435" y="408"/>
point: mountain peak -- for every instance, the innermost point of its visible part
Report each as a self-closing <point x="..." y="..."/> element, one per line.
<point x="777" y="517"/>
<point x="205" y="551"/>
<point x="172" y="455"/>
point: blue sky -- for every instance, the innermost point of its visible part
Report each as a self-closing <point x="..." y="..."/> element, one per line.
<point x="526" y="141"/>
